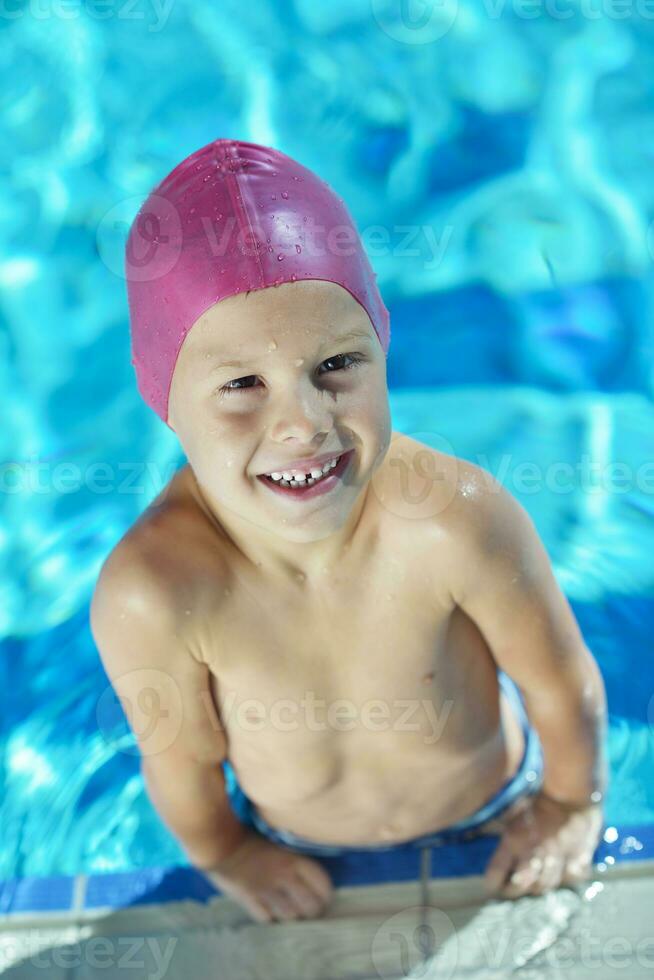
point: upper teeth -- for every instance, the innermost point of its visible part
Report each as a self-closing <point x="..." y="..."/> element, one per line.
<point x="298" y="477"/>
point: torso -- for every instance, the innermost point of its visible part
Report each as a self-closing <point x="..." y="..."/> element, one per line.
<point x="423" y="735"/>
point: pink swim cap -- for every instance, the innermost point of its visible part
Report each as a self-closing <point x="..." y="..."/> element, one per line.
<point x="233" y="217"/>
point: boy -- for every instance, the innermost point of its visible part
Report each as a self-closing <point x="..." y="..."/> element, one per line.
<point x="308" y="555"/>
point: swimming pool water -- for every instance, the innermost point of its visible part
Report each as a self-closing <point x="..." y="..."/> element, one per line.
<point x="527" y="341"/>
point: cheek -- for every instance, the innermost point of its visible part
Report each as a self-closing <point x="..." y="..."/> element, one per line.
<point x="370" y="407"/>
<point x="370" y="401"/>
<point x="217" y="449"/>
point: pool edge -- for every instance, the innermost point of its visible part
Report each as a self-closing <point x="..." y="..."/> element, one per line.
<point x="74" y="896"/>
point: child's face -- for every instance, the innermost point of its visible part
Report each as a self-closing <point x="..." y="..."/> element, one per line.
<point x="287" y="400"/>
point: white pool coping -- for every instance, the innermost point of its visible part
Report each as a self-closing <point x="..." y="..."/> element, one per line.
<point x="602" y="929"/>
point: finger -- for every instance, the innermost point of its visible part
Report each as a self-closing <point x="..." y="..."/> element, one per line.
<point x="523" y="875"/>
<point x="577" y="870"/>
<point x="499" y="867"/>
<point x="258" y="911"/>
<point x="280" y="904"/>
<point x="550" y="876"/>
<point x="316" y="878"/>
<point x="303" y="897"/>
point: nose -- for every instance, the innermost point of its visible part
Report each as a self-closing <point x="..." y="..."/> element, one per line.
<point x="302" y="414"/>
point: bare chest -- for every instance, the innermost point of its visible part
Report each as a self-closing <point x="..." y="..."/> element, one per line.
<point x="361" y="676"/>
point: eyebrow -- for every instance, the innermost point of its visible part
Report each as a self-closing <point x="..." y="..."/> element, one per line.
<point x="351" y="335"/>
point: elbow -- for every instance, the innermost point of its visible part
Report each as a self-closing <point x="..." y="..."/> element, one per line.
<point x="594" y="687"/>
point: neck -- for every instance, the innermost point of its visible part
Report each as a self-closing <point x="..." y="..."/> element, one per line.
<point x="301" y="563"/>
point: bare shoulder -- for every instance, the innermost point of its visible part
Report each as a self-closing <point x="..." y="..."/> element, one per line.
<point x="458" y="510"/>
<point x="161" y="563"/>
<point x="492" y="537"/>
<point x="148" y="643"/>
<point x="443" y="491"/>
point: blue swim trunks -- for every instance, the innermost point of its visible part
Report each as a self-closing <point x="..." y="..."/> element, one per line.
<point x="526" y="781"/>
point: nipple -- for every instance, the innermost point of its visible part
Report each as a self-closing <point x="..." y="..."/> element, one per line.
<point x="253" y="716"/>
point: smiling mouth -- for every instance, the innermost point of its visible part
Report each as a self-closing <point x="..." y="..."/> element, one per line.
<point x="329" y="478"/>
<point x="309" y="480"/>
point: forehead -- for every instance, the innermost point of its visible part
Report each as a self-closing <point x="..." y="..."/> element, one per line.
<point x="306" y="314"/>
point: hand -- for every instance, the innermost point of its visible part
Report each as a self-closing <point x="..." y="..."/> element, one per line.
<point x="543" y="847"/>
<point x="271" y="882"/>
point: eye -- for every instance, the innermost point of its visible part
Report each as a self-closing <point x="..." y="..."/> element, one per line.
<point x="354" y="360"/>
<point x="227" y="389"/>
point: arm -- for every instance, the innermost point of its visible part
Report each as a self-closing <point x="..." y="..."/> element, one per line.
<point x="506" y="585"/>
<point x="166" y="697"/>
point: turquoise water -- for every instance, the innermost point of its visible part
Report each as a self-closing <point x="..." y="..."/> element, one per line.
<point x="509" y="163"/>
